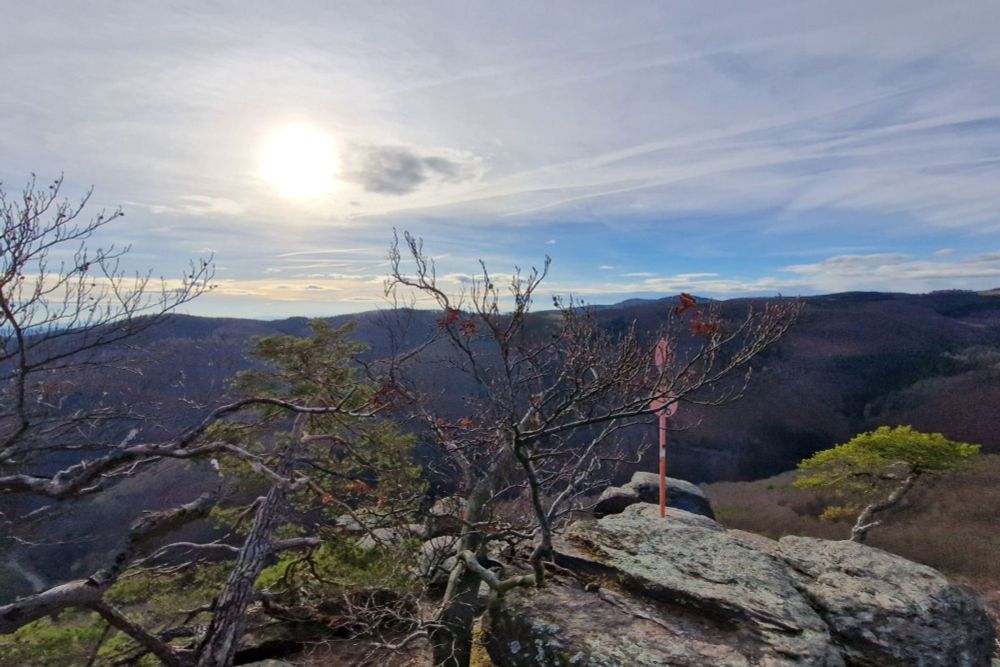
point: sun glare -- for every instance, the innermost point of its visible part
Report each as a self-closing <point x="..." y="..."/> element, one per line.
<point x="300" y="161"/>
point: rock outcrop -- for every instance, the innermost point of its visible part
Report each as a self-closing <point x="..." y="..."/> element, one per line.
<point x="886" y="610"/>
<point x="686" y="592"/>
<point x="644" y="487"/>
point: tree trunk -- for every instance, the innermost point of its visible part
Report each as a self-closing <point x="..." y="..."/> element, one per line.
<point x="866" y="520"/>
<point x="451" y="640"/>
<point x="226" y="629"/>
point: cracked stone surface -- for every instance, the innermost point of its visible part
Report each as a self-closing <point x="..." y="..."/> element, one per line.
<point x="687" y="592"/>
<point x="886" y="610"/>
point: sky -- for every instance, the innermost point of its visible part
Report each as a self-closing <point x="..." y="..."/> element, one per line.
<point x="724" y="149"/>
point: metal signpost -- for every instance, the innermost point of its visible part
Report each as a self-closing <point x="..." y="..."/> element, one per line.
<point x="665" y="408"/>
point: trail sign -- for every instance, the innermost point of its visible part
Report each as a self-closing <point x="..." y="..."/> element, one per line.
<point x="665" y="406"/>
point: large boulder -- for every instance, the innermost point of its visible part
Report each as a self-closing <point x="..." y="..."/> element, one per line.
<point x="644" y="487"/>
<point x="886" y="610"/>
<point x="684" y="591"/>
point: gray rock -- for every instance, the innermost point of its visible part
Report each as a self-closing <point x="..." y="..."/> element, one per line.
<point x="564" y="625"/>
<point x="614" y="500"/>
<point x="348" y="524"/>
<point x="886" y="610"/>
<point x="436" y="559"/>
<point x="386" y="536"/>
<point x="644" y="487"/>
<point x="688" y="561"/>
<point x="362" y="522"/>
<point x="685" y="591"/>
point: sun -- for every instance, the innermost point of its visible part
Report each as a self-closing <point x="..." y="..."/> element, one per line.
<point x="300" y="161"/>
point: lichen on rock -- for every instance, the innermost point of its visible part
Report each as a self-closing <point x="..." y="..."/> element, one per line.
<point x="685" y="591"/>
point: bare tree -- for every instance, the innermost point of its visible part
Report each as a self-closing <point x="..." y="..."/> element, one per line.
<point x="63" y="305"/>
<point x="63" y="308"/>
<point x="552" y="394"/>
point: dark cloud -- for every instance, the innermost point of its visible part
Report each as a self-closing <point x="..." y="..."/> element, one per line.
<point x="398" y="170"/>
<point x="446" y="168"/>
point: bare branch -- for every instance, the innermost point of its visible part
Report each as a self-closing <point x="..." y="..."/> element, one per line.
<point x="87" y="592"/>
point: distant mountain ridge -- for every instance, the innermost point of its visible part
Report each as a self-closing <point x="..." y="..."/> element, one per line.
<point x="853" y="361"/>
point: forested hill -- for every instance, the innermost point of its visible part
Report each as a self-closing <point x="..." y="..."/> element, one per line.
<point x="853" y="361"/>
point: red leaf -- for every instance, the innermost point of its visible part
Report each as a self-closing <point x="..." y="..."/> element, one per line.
<point x="450" y="316"/>
<point x="701" y="328"/>
<point x="687" y="302"/>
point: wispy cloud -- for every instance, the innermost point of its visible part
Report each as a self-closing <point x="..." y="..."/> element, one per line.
<point x="734" y="146"/>
<point x="849" y="264"/>
<point x="898" y="272"/>
<point x="330" y="251"/>
<point x="201" y="206"/>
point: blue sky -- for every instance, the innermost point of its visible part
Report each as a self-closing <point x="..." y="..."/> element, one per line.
<point x="727" y="149"/>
